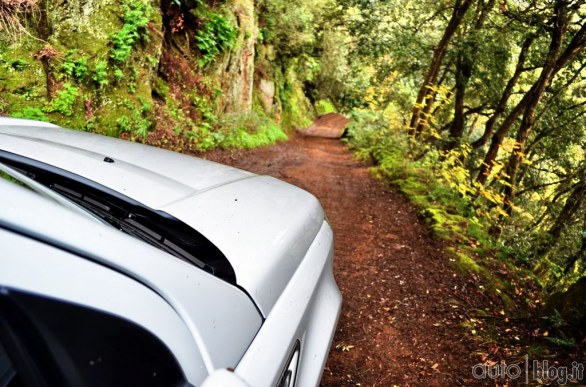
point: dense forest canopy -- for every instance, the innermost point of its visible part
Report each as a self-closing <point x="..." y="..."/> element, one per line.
<point x="475" y="108"/>
<point x="486" y="98"/>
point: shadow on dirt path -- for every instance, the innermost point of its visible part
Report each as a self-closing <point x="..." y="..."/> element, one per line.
<point x="403" y="303"/>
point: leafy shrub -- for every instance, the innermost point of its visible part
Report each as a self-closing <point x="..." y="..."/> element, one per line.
<point x="136" y="125"/>
<point x="204" y="109"/>
<point x="324" y="106"/>
<point x="118" y="74"/>
<point x="100" y="75"/>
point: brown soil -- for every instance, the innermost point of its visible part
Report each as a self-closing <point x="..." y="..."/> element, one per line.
<point x="403" y="303"/>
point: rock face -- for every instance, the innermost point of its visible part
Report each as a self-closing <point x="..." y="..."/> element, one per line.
<point x="237" y="71"/>
<point x="267" y="90"/>
<point x="82" y="24"/>
<point x="66" y="72"/>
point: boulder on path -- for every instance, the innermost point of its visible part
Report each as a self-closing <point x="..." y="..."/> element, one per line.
<point x="329" y="125"/>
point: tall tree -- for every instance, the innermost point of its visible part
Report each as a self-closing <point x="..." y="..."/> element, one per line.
<point x="501" y="106"/>
<point x="553" y="64"/>
<point x="464" y="69"/>
<point x="426" y="94"/>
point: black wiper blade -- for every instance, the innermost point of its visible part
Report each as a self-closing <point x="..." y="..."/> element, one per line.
<point x="155" y="227"/>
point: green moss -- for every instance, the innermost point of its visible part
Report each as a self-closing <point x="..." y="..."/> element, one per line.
<point x="83" y="25"/>
<point x="466" y="264"/>
<point x="160" y="89"/>
<point x="22" y="77"/>
<point x="106" y="93"/>
<point x="297" y="110"/>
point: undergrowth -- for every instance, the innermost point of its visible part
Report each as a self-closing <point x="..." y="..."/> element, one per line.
<point x="31" y="113"/>
<point x="445" y="201"/>
<point x="250" y="130"/>
<point x="64" y="101"/>
<point x="136" y="16"/>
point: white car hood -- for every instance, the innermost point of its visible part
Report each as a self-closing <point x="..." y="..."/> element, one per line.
<point x="262" y="225"/>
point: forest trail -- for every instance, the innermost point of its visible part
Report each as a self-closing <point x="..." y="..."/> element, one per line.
<point x="403" y="302"/>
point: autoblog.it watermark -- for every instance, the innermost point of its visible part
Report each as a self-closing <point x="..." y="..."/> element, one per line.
<point x="530" y="370"/>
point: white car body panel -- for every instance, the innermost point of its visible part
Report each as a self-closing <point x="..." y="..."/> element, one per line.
<point x="307" y="309"/>
<point x="264" y="226"/>
<point x="47" y="268"/>
<point x="274" y="235"/>
<point x="223" y="329"/>
<point x="150" y="175"/>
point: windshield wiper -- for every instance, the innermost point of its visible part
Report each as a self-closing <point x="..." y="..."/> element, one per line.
<point x="155" y="227"/>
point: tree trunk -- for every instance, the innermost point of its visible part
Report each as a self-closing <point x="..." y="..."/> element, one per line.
<point x="551" y="68"/>
<point x="570" y="208"/>
<point x="504" y="100"/>
<point x="499" y="136"/>
<point x="572" y="205"/>
<point x="463" y="74"/>
<point x="580" y="255"/>
<point x="464" y="66"/>
<point x="460" y="9"/>
<point x="530" y="100"/>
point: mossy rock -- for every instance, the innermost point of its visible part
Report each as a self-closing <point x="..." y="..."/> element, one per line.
<point x="83" y="24"/>
<point x="297" y="109"/>
<point x="22" y="77"/>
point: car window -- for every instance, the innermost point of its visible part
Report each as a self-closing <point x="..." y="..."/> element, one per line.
<point x="8" y="375"/>
<point x="56" y="343"/>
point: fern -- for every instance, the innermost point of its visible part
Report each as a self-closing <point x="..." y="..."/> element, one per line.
<point x="136" y="16"/>
<point x="216" y="36"/>
<point x="64" y="101"/>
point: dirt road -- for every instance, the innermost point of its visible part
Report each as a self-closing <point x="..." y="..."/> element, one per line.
<point x="403" y="303"/>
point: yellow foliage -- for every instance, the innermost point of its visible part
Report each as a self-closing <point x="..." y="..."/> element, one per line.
<point x="509" y="145"/>
<point x="441" y="96"/>
<point x="453" y="172"/>
<point x="375" y="96"/>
